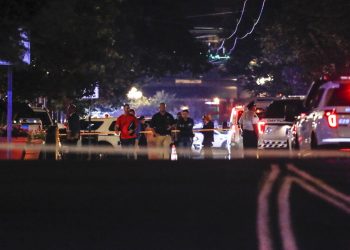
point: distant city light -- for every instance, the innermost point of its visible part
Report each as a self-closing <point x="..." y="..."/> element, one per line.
<point x="134" y="94"/>
<point x="218" y="57"/>
<point x="216" y="101"/>
<point x="263" y="80"/>
<point x="253" y="62"/>
<point x="185" y="108"/>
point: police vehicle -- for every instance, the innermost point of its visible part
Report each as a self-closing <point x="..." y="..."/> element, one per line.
<point x="327" y="118"/>
<point x="220" y="141"/>
<point x="99" y="131"/>
<point x="275" y="127"/>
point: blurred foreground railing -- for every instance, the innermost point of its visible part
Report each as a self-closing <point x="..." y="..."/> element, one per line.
<point x="21" y="151"/>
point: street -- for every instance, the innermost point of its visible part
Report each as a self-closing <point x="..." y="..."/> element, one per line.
<point x="175" y="125"/>
<point x="238" y="204"/>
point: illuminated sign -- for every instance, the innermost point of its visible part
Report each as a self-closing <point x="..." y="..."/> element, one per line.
<point x="188" y="81"/>
<point x="26" y="55"/>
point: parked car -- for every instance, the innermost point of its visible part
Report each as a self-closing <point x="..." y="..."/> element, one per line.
<point x="220" y="141"/>
<point x="96" y="132"/>
<point x="31" y="124"/>
<point x="326" y="122"/>
<point x="42" y="114"/>
<point x="275" y="128"/>
<point x="262" y="103"/>
<point x="99" y="131"/>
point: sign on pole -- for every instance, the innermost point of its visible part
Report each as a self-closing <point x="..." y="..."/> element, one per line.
<point x="26" y="59"/>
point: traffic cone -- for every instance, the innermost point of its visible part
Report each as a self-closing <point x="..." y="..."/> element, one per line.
<point x="173" y="153"/>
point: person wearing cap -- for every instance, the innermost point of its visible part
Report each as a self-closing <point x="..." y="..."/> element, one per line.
<point x="249" y="125"/>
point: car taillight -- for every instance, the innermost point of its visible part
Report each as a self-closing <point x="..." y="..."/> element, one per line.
<point x="261" y="127"/>
<point x="332" y="118"/>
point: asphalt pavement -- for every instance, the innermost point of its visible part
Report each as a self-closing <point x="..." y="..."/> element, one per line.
<point x="237" y="204"/>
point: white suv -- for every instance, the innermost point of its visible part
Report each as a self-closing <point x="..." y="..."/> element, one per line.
<point x="100" y="131"/>
<point x="275" y="127"/>
<point x="327" y="121"/>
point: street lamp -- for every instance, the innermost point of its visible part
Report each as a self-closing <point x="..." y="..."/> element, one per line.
<point x="134" y="94"/>
<point x="216" y="101"/>
<point x="26" y="59"/>
<point x="185" y="108"/>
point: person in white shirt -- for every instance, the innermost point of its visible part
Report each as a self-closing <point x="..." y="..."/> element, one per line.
<point x="249" y="124"/>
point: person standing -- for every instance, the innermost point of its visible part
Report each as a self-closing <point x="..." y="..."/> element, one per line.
<point x="161" y="124"/>
<point x="249" y="124"/>
<point x="208" y="136"/>
<point x="175" y="133"/>
<point x="141" y="138"/>
<point x="73" y="129"/>
<point x="185" y="136"/>
<point x="127" y="124"/>
<point x="132" y="112"/>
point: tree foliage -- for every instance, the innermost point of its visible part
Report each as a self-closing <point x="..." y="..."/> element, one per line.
<point x="311" y="34"/>
<point x="76" y="44"/>
<point x="296" y="42"/>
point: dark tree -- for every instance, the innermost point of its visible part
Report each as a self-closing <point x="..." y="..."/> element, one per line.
<point x="296" y="42"/>
<point x="76" y="44"/>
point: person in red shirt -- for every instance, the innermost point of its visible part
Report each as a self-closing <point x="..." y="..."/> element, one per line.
<point x="127" y="125"/>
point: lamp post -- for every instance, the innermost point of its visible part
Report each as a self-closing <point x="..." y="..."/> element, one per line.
<point x="9" y="108"/>
<point x="9" y="105"/>
<point x="26" y="59"/>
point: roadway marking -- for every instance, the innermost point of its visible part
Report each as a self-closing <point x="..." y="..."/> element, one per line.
<point x="284" y="219"/>
<point x="307" y="182"/>
<point x="323" y="195"/>
<point x="319" y="183"/>
<point x="263" y="218"/>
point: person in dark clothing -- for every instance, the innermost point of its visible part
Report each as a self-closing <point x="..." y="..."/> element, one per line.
<point x="161" y="124"/>
<point x="73" y="130"/>
<point x="224" y="125"/>
<point x="185" y="136"/>
<point x="141" y="138"/>
<point x="175" y="134"/>
<point x="208" y="136"/>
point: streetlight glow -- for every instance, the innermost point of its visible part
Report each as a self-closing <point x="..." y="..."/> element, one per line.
<point x="134" y="94"/>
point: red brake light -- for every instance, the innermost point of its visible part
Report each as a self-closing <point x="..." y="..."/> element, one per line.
<point x="326" y="77"/>
<point x="261" y="127"/>
<point x="332" y="118"/>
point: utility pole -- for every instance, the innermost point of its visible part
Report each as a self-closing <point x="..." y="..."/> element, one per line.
<point x="9" y="109"/>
